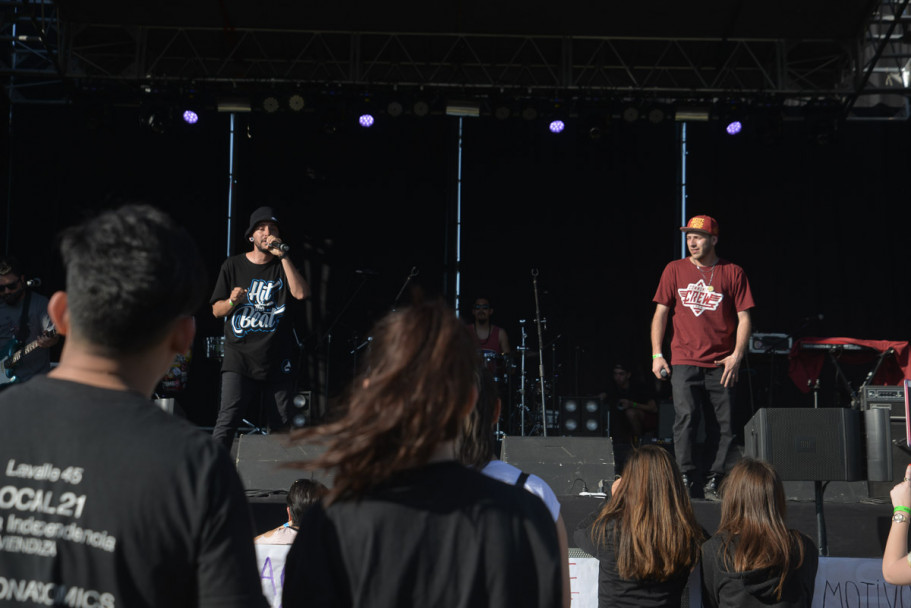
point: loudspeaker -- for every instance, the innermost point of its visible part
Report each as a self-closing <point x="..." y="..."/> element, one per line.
<point x="569" y="465"/>
<point x="261" y="461"/>
<point x="807" y="444"/>
<point x="901" y="454"/>
<point x="878" y="438"/>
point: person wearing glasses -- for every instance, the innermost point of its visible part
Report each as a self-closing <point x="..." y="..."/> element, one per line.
<point x="490" y="337"/>
<point x="24" y="325"/>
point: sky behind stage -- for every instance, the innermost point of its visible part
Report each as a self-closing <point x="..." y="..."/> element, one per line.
<point x="819" y="228"/>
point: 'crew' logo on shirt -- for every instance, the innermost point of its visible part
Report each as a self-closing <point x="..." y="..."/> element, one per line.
<point x="699" y="298"/>
<point x="259" y="312"/>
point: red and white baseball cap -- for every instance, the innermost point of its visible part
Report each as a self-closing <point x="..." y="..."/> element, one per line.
<point x="701" y="223"/>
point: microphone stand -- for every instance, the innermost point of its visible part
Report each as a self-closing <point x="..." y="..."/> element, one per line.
<point x="414" y="272"/>
<point x="534" y="282"/>
<point x="327" y="336"/>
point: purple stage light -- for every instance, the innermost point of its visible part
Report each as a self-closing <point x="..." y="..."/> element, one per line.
<point x="190" y="117"/>
<point x="557" y="126"/>
<point x="365" y="120"/>
<point x="734" y="127"/>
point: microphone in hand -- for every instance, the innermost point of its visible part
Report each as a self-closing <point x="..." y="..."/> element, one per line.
<point x="664" y="373"/>
<point x="283" y="247"/>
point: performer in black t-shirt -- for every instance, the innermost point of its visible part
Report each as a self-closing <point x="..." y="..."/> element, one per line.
<point x="252" y="294"/>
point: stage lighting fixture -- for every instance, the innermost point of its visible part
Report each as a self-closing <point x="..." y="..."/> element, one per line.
<point x="270" y="104"/>
<point x="421" y="108"/>
<point x="464" y="109"/>
<point x="190" y="117"/>
<point x="583" y="416"/>
<point x="733" y="127"/>
<point x="556" y="126"/>
<point x="296" y="102"/>
<point x="529" y="113"/>
<point x="233" y="104"/>
<point x="302" y="409"/>
<point x="502" y="112"/>
<point x="631" y="114"/>
<point x="691" y="114"/>
<point x="366" y="120"/>
<point x="157" y="119"/>
<point x="656" y="116"/>
<point x="394" y="109"/>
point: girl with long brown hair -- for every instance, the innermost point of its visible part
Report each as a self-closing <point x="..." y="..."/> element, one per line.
<point x="405" y="524"/>
<point x="646" y="535"/>
<point x="754" y="559"/>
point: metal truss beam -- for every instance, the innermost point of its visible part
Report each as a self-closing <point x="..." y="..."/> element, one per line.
<point x="46" y="57"/>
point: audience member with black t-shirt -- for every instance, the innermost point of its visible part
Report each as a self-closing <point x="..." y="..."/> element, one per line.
<point x="754" y="560"/>
<point x="646" y="536"/>
<point x="109" y="500"/>
<point x="405" y="524"/>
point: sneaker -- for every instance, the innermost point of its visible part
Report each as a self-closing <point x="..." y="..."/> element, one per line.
<point x="711" y="487"/>
<point x="687" y="482"/>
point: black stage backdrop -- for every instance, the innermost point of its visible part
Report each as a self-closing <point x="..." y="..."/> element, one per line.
<point x="819" y="228"/>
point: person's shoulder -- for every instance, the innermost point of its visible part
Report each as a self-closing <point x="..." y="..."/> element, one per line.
<point x="502" y="471"/>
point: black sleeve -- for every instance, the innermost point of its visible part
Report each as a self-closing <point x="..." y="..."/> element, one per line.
<point x="226" y="568"/>
<point x="314" y="569"/>
<point x="222" y="287"/>
<point x="809" y="567"/>
<point x="708" y="567"/>
<point x="582" y="535"/>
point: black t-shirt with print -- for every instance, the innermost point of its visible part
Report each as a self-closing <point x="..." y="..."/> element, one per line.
<point x="107" y="501"/>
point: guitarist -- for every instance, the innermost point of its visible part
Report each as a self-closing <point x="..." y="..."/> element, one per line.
<point x="23" y="319"/>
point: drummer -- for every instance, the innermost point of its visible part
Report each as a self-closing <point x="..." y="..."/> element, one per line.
<point x="492" y="339"/>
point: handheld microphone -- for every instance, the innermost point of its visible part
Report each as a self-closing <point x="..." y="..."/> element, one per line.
<point x="283" y="247"/>
<point x="664" y="374"/>
<point x="36" y="282"/>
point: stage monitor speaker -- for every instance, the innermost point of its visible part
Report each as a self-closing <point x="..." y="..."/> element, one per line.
<point x="569" y="465"/>
<point x="261" y="461"/>
<point x="807" y="444"/>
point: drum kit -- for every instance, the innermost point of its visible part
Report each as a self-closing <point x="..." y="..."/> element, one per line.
<point x="215" y="348"/>
<point x="524" y="391"/>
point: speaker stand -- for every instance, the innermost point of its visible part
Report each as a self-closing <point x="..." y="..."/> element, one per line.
<point x="820" y="519"/>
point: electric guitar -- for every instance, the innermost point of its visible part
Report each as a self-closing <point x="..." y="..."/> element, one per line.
<point x="12" y="357"/>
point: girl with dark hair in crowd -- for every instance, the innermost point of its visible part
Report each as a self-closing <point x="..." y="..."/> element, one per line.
<point x="646" y="535"/>
<point x="405" y="524"/>
<point x="754" y="559"/>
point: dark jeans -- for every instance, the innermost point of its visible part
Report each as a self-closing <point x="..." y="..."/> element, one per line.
<point x="238" y="392"/>
<point x="693" y="387"/>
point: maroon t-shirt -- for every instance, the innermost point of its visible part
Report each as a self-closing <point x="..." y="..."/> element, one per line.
<point x="704" y="305"/>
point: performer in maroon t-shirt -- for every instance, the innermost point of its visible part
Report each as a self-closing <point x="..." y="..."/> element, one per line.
<point x="493" y="343"/>
<point x="710" y="299"/>
<point x="488" y="336"/>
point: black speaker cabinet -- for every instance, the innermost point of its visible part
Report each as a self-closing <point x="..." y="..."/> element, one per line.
<point x="569" y="465"/>
<point x="807" y="444"/>
<point x="878" y="440"/>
